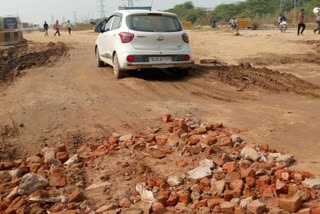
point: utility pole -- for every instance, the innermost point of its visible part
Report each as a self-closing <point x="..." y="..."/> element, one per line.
<point x="75" y="19"/>
<point x="101" y="8"/>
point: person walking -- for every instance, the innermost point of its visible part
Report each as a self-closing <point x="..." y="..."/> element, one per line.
<point x="301" y="22"/>
<point x="69" y="27"/>
<point x="318" y="22"/>
<point x="46" y="28"/>
<point x="57" y="28"/>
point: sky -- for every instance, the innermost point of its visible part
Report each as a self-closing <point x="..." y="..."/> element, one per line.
<point x="38" y="11"/>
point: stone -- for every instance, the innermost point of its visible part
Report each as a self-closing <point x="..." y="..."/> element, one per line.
<point x="126" y="137"/>
<point x="125" y="203"/>
<point x="57" y="179"/>
<point x="144" y="193"/>
<point x="291" y="204"/>
<point x="48" y="153"/>
<point x="256" y="207"/>
<point x="173" y="140"/>
<point x="236" y="139"/>
<point x="203" y="170"/>
<point x="32" y="182"/>
<point x="227" y="207"/>
<point x="75" y="196"/>
<point x="73" y="160"/>
<point x="249" y="154"/>
<point x="284" y="160"/>
<point x="175" y="180"/>
<point x="218" y="187"/>
<point x="312" y="183"/>
<point x="245" y="202"/>
<point x="158" y="208"/>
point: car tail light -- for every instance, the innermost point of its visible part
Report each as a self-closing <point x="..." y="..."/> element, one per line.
<point x="126" y="37"/>
<point x="185" y="38"/>
<point x="186" y="58"/>
<point x="130" y="58"/>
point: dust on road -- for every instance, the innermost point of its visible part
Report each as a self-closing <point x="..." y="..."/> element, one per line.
<point x="78" y="102"/>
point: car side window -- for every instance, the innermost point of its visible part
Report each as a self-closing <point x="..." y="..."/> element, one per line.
<point x="116" y="23"/>
<point x="107" y="27"/>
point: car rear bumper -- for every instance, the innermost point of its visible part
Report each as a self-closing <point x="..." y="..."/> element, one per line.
<point x="140" y="65"/>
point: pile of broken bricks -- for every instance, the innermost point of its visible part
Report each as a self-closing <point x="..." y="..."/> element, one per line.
<point x="223" y="174"/>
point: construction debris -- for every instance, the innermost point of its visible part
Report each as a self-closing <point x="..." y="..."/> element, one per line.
<point x="186" y="167"/>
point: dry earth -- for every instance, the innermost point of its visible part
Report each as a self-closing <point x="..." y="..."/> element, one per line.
<point x="75" y="102"/>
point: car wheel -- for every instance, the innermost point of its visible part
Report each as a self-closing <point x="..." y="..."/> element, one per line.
<point x="99" y="62"/>
<point x="118" y="73"/>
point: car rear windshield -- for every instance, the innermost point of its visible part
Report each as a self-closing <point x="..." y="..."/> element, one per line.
<point x="153" y="23"/>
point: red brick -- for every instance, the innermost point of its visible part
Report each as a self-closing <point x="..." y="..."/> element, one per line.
<point x="76" y="196"/>
<point x="57" y="180"/>
<point x="250" y="181"/>
<point x="158" y="208"/>
<point x="6" y="165"/>
<point x="166" y="118"/>
<point x="173" y="200"/>
<point x="290" y="204"/>
<point x="205" y="182"/>
<point x="185" y="198"/>
<point x="256" y="207"/>
<point x="62" y="156"/>
<point x="237" y="184"/>
<point x="229" y="166"/>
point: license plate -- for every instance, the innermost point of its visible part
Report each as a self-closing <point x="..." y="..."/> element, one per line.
<point x="160" y="59"/>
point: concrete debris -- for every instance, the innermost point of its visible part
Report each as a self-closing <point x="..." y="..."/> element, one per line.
<point x="145" y="194"/>
<point x="32" y="182"/>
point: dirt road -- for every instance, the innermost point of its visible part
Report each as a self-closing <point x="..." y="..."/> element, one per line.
<point x="74" y="101"/>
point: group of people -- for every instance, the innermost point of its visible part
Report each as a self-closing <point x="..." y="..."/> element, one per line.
<point x="301" y="25"/>
<point x="56" y="27"/>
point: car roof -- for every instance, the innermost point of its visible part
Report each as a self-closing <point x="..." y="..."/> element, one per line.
<point x="130" y="12"/>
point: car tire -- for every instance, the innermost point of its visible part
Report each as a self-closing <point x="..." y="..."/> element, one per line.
<point x="99" y="62"/>
<point x="118" y="73"/>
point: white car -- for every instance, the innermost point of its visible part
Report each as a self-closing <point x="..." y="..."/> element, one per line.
<point x="137" y="39"/>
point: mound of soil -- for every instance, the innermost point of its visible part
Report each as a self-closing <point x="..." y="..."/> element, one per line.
<point x="244" y="76"/>
<point x="26" y="55"/>
<point x="272" y="59"/>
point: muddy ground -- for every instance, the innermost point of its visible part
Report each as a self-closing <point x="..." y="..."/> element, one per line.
<point x="76" y="102"/>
